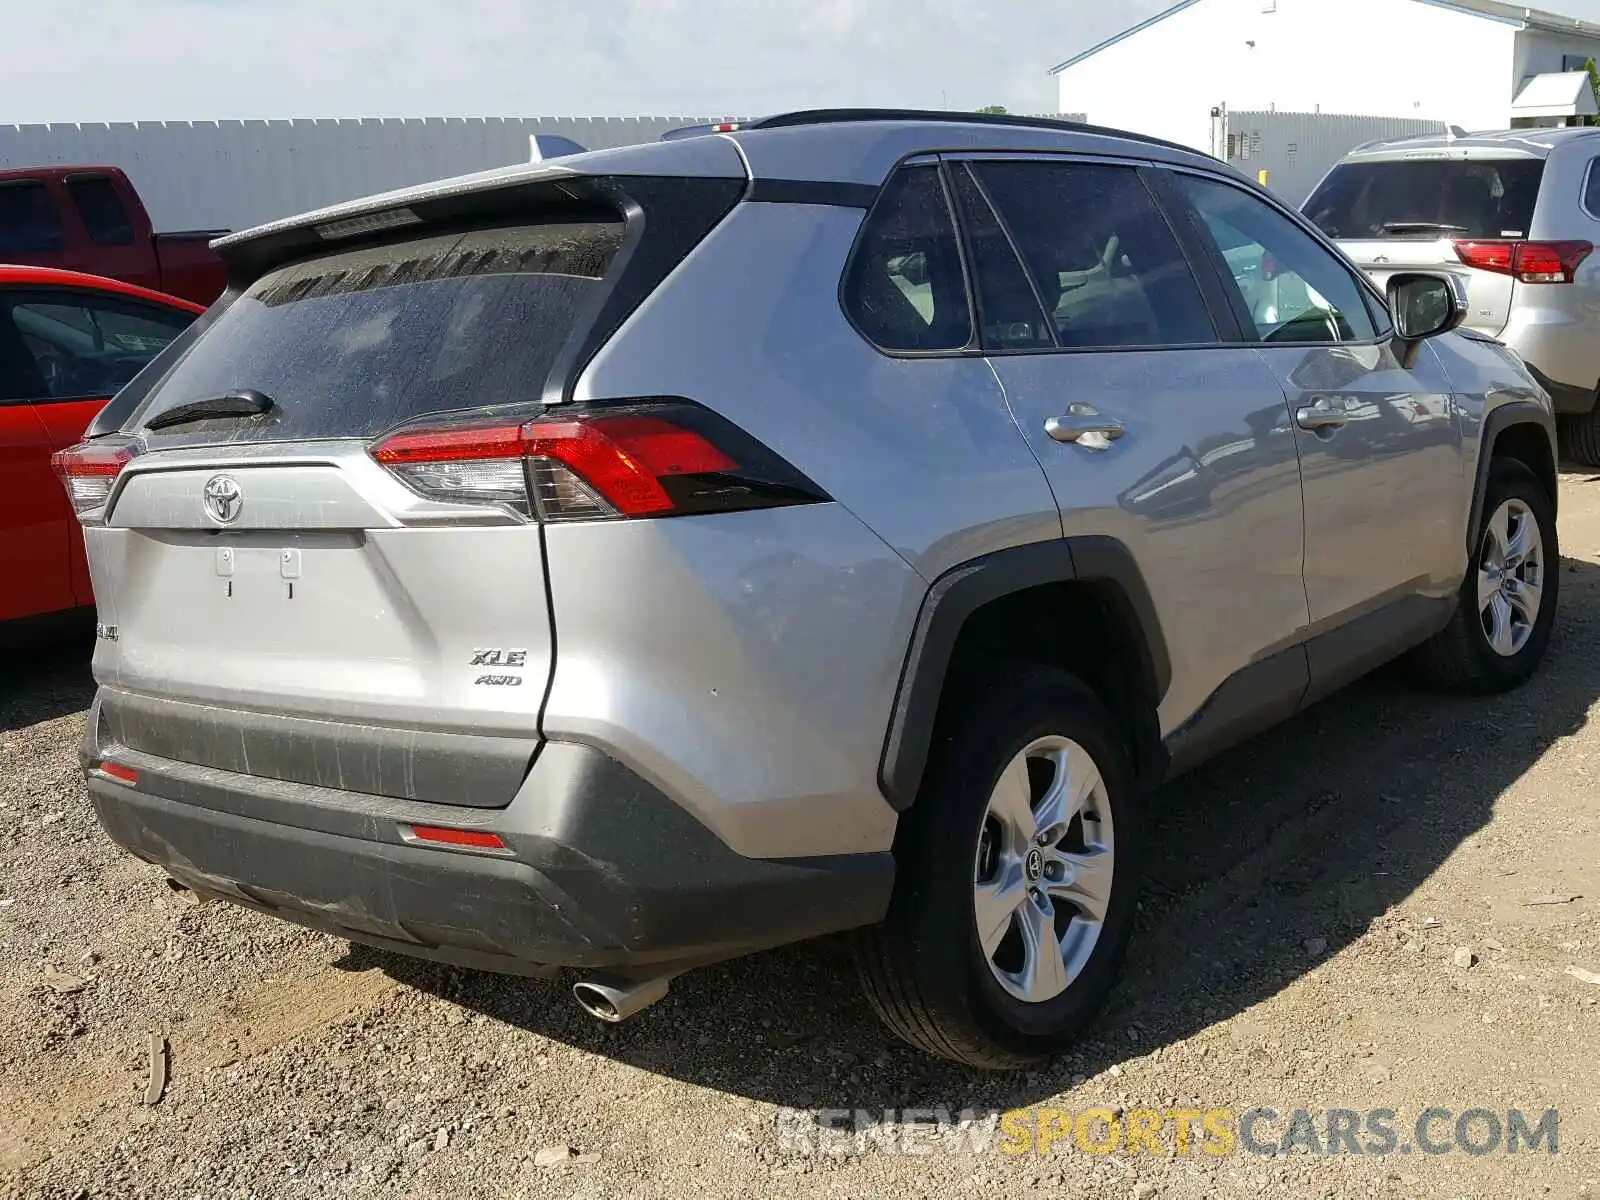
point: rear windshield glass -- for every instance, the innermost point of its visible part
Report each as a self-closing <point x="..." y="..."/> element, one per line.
<point x="1480" y="198"/>
<point x="351" y="344"/>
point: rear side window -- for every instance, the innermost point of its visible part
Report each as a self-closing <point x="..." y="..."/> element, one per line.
<point x="352" y="344"/>
<point x="101" y="209"/>
<point x="1009" y="308"/>
<point x="29" y="223"/>
<point x="1591" y="189"/>
<point x="904" y="288"/>
<point x="1428" y="199"/>
<point x="1106" y="265"/>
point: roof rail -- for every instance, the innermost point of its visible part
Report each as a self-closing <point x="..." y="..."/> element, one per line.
<point x="839" y="116"/>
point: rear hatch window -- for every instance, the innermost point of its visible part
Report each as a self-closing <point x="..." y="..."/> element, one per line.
<point x="1428" y="199"/>
<point x="353" y="343"/>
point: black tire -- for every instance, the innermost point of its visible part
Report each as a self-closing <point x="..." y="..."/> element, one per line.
<point x="1460" y="657"/>
<point x="922" y="968"/>
<point x="1580" y="437"/>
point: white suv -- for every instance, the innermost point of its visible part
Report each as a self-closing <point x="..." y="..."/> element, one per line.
<point x="1516" y="215"/>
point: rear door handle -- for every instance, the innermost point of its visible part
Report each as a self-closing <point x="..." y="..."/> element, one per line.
<point x="1083" y="425"/>
<point x="1321" y="415"/>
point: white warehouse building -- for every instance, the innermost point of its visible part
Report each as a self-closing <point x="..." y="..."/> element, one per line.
<point x="1476" y="64"/>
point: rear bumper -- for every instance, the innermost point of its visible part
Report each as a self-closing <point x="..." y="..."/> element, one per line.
<point x="602" y="870"/>
<point x="1564" y="397"/>
<point x="1563" y="354"/>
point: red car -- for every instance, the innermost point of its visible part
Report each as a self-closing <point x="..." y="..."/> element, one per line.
<point x="67" y="343"/>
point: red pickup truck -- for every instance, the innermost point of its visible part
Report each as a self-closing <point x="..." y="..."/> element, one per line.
<point x="91" y="220"/>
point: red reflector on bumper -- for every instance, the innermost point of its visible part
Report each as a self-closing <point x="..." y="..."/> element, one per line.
<point x="120" y="773"/>
<point x="474" y="839"/>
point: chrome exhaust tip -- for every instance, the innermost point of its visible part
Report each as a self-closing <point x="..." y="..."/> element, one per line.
<point x="617" y="1000"/>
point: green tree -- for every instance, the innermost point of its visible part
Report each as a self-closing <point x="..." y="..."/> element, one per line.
<point x="999" y="110"/>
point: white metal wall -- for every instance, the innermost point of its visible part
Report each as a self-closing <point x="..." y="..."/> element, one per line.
<point x="1297" y="149"/>
<point x="234" y="174"/>
<point x="1382" y="58"/>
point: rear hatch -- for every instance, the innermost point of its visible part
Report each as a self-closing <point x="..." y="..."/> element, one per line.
<point x="1432" y="213"/>
<point x="279" y="599"/>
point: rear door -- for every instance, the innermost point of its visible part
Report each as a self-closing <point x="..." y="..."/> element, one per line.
<point x="1394" y="215"/>
<point x="84" y="345"/>
<point x="63" y="352"/>
<point x="287" y="606"/>
<point x="1153" y="426"/>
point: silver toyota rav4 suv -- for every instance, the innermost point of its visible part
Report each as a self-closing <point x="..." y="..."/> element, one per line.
<point x="834" y="523"/>
<point x="1516" y="215"/>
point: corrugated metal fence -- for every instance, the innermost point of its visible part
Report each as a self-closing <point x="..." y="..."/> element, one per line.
<point x="1298" y="149"/>
<point x="234" y="174"/>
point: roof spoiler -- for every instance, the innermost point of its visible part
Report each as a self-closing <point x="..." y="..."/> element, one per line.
<point x="545" y="146"/>
<point x="684" y="131"/>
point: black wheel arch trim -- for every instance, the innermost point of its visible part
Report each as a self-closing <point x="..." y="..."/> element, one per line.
<point x="964" y="589"/>
<point x="1496" y="422"/>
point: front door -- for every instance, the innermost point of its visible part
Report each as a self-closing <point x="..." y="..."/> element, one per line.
<point x="1379" y="437"/>
<point x="1153" y="431"/>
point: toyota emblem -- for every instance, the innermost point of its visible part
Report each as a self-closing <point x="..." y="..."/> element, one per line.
<point x="223" y="499"/>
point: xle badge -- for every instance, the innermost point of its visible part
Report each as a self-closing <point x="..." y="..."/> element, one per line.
<point x="495" y="657"/>
<point x="498" y="658"/>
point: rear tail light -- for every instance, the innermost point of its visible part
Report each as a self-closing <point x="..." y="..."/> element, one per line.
<point x="650" y="459"/>
<point x="1526" y="262"/>
<point x="88" y="471"/>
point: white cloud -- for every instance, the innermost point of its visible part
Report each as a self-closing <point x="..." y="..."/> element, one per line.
<point x="89" y="60"/>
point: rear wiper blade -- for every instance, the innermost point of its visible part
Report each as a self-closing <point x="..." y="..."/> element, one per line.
<point x="1420" y="227"/>
<point x="246" y="402"/>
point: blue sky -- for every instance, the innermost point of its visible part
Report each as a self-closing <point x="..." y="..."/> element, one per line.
<point x="120" y="60"/>
<point x="100" y="60"/>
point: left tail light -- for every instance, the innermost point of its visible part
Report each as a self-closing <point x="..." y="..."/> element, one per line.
<point x="646" y="459"/>
<point x="88" y="471"/>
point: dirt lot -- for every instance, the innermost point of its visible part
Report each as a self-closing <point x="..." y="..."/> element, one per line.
<point x="1314" y="902"/>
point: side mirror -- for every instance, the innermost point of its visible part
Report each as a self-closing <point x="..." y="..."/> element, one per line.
<point x="1424" y="306"/>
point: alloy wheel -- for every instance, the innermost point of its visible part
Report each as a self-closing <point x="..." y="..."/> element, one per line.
<point x="1510" y="577"/>
<point x="1042" y="879"/>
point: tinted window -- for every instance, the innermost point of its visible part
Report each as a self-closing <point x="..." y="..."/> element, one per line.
<point x="1591" y="189"/>
<point x="63" y="345"/>
<point x="1480" y="198"/>
<point x="1105" y="263"/>
<point x="1295" y="291"/>
<point x="101" y="210"/>
<point x="28" y="220"/>
<point x="904" y="288"/>
<point x="1008" y="307"/>
<point x="351" y="344"/>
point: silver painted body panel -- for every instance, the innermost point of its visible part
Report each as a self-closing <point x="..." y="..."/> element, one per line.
<point x="330" y="596"/>
<point x="1399" y="452"/>
<point x="1203" y="487"/>
<point x="924" y="451"/>
<point x="744" y="664"/>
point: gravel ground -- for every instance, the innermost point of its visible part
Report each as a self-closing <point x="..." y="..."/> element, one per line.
<point x="1338" y="916"/>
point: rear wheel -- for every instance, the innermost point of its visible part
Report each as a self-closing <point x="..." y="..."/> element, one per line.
<point x="1017" y="872"/>
<point x="1580" y="437"/>
<point x="1507" y="604"/>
